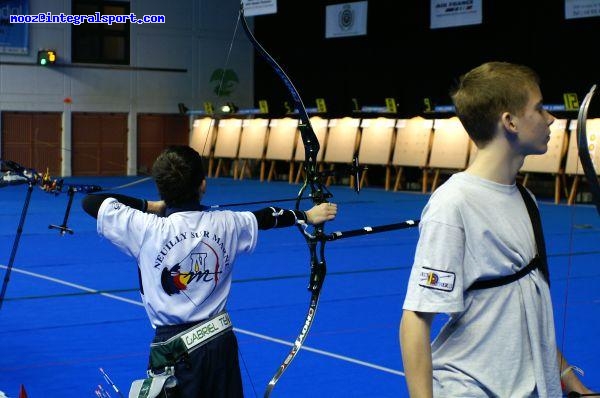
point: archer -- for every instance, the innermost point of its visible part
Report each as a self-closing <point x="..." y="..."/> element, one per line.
<point x="177" y="305"/>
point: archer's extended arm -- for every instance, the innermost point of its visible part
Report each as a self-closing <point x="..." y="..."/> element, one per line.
<point x="276" y="217"/>
<point x="91" y="203"/>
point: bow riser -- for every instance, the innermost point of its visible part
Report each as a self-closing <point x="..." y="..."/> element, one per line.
<point x="313" y="180"/>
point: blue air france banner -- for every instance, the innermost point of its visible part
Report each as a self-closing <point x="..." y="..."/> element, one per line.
<point x="349" y="19"/>
<point x="14" y="38"/>
<point x="582" y="9"/>
<point x="259" y="7"/>
<point x="447" y="13"/>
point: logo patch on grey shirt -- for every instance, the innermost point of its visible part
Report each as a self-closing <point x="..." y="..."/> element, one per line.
<point x="436" y="279"/>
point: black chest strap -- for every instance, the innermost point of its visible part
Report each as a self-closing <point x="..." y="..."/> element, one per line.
<point x="539" y="261"/>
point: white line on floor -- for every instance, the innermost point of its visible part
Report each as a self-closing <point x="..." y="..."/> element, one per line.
<point x="238" y="330"/>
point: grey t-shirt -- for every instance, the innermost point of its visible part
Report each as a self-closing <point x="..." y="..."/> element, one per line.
<point x="498" y="342"/>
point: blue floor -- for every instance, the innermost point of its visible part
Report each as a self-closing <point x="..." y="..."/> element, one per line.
<point x="72" y="305"/>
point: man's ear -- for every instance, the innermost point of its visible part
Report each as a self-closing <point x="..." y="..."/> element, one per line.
<point x="509" y="122"/>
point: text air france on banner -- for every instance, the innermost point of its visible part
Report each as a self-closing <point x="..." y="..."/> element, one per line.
<point x="259" y="7"/>
<point x="349" y="19"/>
<point x="446" y="13"/>
<point x="14" y="38"/>
<point x="582" y="9"/>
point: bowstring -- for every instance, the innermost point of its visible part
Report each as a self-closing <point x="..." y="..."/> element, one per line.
<point x="85" y="155"/>
<point x="109" y="162"/>
<point x="569" y="267"/>
<point x="222" y="80"/>
<point x="583" y="130"/>
<point x="211" y="126"/>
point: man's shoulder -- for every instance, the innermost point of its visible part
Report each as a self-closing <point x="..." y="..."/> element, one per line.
<point x="451" y="190"/>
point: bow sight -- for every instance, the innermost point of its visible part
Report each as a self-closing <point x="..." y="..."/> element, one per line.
<point x="15" y="174"/>
<point x="353" y="170"/>
<point x="12" y="173"/>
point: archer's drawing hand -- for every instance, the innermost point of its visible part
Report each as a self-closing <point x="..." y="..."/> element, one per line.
<point x="321" y="213"/>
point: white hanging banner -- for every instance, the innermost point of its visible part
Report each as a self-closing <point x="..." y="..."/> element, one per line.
<point x="259" y="7"/>
<point x="348" y="19"/>
<point x="446" y="13"/>
<point x="582" y="9"/>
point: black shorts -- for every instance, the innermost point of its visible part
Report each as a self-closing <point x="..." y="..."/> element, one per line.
<point x="211" y="371"/>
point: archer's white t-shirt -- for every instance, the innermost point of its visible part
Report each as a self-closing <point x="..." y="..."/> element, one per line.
<point x="185" y="260"/>
<point x="498" y="342"/>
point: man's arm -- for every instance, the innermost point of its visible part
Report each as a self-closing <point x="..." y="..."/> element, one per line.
<point x="276" y="217"/>
<point x="415" y="343"/>
<point x="270" y="217"/>
<point x="568" y="377"/>
<point x="91" y="203"/>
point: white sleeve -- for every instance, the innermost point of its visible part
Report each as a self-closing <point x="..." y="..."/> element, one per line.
<point x="247" y="230"/>
<point x="122" y="225"/>
<point x="436" y="279"/>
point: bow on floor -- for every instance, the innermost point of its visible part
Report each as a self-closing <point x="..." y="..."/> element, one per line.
<point x="583" y="147"/>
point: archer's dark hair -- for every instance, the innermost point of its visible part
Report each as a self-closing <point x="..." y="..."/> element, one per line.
<point x="178" y="173"/>
<point x="485" y="92"/>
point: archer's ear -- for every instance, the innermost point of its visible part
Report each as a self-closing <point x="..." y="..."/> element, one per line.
<point x="509" y="122"/>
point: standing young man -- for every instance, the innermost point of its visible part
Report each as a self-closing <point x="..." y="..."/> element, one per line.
<point x="185" y="257"/>
<point x="500" y="338"/>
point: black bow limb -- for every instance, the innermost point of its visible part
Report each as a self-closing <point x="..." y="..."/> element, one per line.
<point x="583" y="148"/>
<point x="318" y="193"/>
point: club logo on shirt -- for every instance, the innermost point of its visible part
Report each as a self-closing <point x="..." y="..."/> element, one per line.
<point x="436" y="279"/>
<point x="200" y="266"/>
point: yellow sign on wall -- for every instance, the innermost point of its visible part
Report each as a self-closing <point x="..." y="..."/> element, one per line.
<point x="571" y="101"/>
<point x="321" y="106"/>
<point x="390" y="105"/>
<point x="428" y="106"/>
<point x="263" y="105"/>
<point x="208" y="108"/>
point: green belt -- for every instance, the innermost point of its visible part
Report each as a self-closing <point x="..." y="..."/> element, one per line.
<point x="169" y="352"/>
